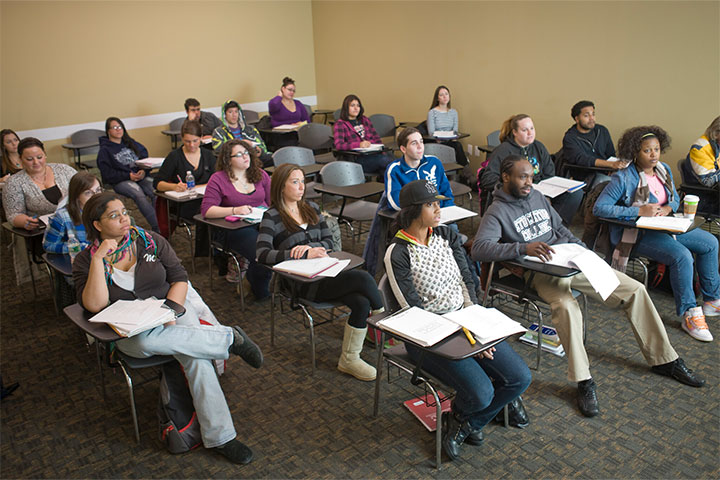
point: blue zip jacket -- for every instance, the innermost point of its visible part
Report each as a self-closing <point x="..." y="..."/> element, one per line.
<point x="616" y="199"/>
<point x="398" y="174"/>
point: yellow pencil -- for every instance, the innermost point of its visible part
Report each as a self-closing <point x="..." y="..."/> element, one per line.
<point x="469" y="336"/>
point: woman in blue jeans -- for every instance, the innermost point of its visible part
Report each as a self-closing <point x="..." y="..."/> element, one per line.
<point x="426" y="268"/>
<point x="646" y="189"/>
<point x="116" y="161"/>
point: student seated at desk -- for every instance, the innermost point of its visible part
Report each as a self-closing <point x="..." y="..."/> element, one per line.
<point x="521" y="222"/>
<point x="239" y="184"/>
<point x="11" y="163"/>
<point x="68" y="217"/>
<point x="207" y="120"/>
<point x="704" y="165"/>
<point x="354" y="130"/>
<point x="293" y="229"/>
<point x="128" y="263"/>
<point x="426" y="268"/>
<point x="413" y="165"/>
<point x="285" y="110"/>
<point x="116" y="161"/>
<point x="646" y="189"/>
<point x="517" y="135"/>
<point x="442" y="117"/>
<point x="234" y="126"/>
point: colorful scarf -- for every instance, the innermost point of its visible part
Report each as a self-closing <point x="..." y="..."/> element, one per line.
<point x="124" y="249"/>
<point x="622" y="251"/>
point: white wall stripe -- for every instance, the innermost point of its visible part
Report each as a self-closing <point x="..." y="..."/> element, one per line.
<point x="132" y="123"/>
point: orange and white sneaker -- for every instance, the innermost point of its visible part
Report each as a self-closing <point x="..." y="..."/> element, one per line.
<point x="693" y="322"/>
<point x="712" y="309"/>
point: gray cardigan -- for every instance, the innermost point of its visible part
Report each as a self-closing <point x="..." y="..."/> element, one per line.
<point x="22" y="196"/>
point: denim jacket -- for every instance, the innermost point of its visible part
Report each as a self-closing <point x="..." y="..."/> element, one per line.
<point x="617" y="198"/>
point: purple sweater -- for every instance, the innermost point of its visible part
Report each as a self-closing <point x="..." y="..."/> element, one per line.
<point x="220" y="192"/>
<point x="280" y="115"/>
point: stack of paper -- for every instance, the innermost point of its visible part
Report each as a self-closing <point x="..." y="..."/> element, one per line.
<point x="306" y="267"/>
<point x="198" y="191"/>
<point x="289" y="127"/>
<point x="554" y="186"/>
<point x="444" y="134"/>
<point x="374" y="147"/>
<point x="551" y="340"/>
<point x="150" y="162"/>
<point x="255" y="215"/>
<point x="130" y="317"/>
<point x="670" y="224"/>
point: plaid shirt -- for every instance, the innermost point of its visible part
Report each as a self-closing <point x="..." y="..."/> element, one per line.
<point x="346" y="138"/>
<point x="56" y="234"/>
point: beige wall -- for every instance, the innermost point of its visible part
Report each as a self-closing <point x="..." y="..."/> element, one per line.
<point x="66" y="63"/>
<point x="640" y="62"/>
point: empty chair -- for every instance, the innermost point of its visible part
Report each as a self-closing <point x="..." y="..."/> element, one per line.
<point x="346" y="174"/>
<point x="173" y="131"/>
<point x="308" y="108"/>
<point x="336" y="114"/>
<point x="447" y="155"/>
<point x="297" y="156"/>
<point x="317" y="137"/>
<point x="85" y="142"/>
<point x="385" y="127"/>
<point x="493" y="139"/>
<point x="251" y="117"/>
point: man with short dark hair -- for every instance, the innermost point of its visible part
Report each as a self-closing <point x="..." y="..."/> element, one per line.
<point x="234" y="126"/>
<point x="521" y="221"/>
<point x="588" y="143"/>
<point x="208" y="120"/>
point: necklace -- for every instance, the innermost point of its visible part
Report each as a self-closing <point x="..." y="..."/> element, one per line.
<point x="44" y="178"/>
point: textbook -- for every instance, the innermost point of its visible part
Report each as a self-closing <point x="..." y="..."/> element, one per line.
<point x="424" y="409"/>
<point x="427" y="328"/>
<point x="555" y="186"/>
<point x="670" y="224"/>
<point x="306" y="267"/>
<point x="572" y="255"/>
<point x="130" y="317"/>
<point x="150" y="162"/>
<point x="551" y="341"/>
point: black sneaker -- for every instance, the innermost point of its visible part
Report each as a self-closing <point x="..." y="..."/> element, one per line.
<point x="236" y="452"/>
<point x="680" y="372"/>
<point x="587" y="398"/>
<point x="246" y="348"/>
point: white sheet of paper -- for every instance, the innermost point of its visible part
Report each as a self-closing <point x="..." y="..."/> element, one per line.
<point x="306" y="267"/>
<point x="423" y="327"/>
<point x="453" y="213"/>
<point x="444" y="134"/>
<point x="150" y="162"/>
<point x="672" y="224"/>
<point x="374" y="147"/>
<point x="554" y="186"/>
<point x="487" y="324"/>
<point x="335" y="269"/>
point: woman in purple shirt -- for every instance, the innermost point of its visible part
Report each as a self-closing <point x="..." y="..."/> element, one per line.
<point x="238" y="184"/>
<point x="285" y="110"/>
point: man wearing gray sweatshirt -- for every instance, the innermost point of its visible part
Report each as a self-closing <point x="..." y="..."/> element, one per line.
<point x="521" y="221"/>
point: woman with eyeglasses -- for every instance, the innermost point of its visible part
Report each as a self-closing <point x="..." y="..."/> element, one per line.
<point x="285" y="110"/>
<point x="239" y="184"/>
<point x="68" y="217"/>
<point x="116" y="161"/>
<point x="124" y="262"/>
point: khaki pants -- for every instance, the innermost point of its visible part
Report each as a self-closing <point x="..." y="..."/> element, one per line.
<point x="567" y="318"/>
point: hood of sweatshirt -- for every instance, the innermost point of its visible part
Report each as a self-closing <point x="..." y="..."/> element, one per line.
<point x="241" y="117"/>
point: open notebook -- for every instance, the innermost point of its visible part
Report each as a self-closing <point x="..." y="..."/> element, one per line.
<point x="130" y="317"/>
<point x="307" y="267"/>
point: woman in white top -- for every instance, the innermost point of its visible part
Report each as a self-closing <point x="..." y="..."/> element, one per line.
<point x="443" y="118"/>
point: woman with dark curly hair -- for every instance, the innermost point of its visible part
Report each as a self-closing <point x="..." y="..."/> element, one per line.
<point x="239" y="184"/>
<point x="646" y="189"/>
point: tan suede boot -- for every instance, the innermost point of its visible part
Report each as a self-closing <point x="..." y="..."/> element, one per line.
<point x="350" y="361"/>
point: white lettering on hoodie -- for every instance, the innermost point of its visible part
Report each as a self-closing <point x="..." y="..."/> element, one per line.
<point x="533" y="224"/>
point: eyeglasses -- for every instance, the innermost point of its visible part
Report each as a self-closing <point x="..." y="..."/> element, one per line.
<point x="89" y="192"/>
<point x="241" y="154"/>
<point x="116" y="127"/>
<point x="116" y="215"/>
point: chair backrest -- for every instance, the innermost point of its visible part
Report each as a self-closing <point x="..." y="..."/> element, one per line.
<point x="336" y="114"/>
<point x="389" y="301"/>
<point x="316" y="136"/>
<point x="686" y="174"/>
<point x="383" y="124"/>
<point x="443" y="152"/>
<point x="87" y="136"/>
<point x="309" y="111"/>
<point x="294" y="155"/>
<point x="177" y="123"/>
<point x="251" y="116"/>
<point x="493" y="139"/>
<point x="342" y="174"/>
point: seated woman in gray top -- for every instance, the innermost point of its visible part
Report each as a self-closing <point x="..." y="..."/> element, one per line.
<point x="443" y="118"/>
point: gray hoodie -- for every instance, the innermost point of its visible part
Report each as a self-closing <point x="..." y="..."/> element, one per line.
<point x="510" y="223"/>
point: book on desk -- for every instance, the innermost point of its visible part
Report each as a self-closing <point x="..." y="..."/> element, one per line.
<point x="312" y="267"/>
<point x="198" y="191"/>
<point x="556" y="186"/>
<point x="130" y="317"/>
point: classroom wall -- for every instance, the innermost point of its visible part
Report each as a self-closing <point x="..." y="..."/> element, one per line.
<point x="640" y="62"/>
<point x="66" y="63"/>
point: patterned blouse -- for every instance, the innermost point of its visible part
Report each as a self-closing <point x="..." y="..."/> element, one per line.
<point x="22" y="196"/>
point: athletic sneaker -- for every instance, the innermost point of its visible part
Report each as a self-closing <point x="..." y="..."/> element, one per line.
<point x="712" y="309"/>
<point x="233" y="275"/>
<point x="693" y="322"/>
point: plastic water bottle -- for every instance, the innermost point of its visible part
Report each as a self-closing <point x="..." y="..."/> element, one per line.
<point x="190" y="180"/>
<point x="74" y="246"/>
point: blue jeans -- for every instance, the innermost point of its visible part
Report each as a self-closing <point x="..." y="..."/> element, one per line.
<point x="375" y="163"/>
<point x="678" y="256"/>
<point x="483" y="386"/>
<point x="243" y="242"/>
<point x="195" y="346"/>
<point x="142" y="194"/>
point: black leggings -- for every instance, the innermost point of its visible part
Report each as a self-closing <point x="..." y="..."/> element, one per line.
<point x="356" y="289"/>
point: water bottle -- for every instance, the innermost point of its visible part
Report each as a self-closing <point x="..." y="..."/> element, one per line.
<point x="74" y="246"/>
<point x="190" y="180"/>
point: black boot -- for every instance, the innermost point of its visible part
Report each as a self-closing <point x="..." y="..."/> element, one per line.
<point x="454" y="434"/>
<point x="587" y="398"/>
<point x="517" y="415"/>
<point x="475" y="438"/>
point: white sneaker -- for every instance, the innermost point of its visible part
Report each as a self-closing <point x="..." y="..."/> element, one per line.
<point x="693" y="322"/>
<point x="712" y="309"/>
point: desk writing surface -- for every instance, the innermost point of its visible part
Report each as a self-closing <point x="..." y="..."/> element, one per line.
<point x="697" y="222"/>
<point x="359" y="191"/>
<point x="80" y="317"/>
<point x="60" y="262"/>
<point x="221" y="222"/>
<point x="355" y="262"/>
<point x="452" y="167"/>
<point x="553" y="270"/>
<point x="21" y="232"/>
<point x="197" y="196"/>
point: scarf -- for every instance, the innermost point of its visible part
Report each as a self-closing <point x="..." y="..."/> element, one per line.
<point x="124" y="249"/>
<point x="622" y="251"/>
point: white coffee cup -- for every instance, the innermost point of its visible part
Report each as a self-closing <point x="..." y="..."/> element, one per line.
<point x="690" y="204"/>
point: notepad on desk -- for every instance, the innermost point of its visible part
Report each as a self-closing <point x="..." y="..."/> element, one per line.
<point x="453" y="213"/>
<point x="555" y="186"/>
<point x="198" y="191"/>
<point x="444" y="134"/>
<point x="130" y="317"/>
<point x="150" y="162"/>
<point x="374" y="147"/>
<point x="306" y="267"/>
<point x="670" y="224"/>
<point x="289" y="127"/>
<point x="255" y="215"/>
